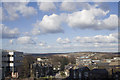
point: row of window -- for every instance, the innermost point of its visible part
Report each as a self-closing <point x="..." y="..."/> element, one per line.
<point x="8" y="61"/>
<point x="7" y="55"/>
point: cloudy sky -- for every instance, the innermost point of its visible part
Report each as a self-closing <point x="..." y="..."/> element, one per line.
<point x="59" y="26"/>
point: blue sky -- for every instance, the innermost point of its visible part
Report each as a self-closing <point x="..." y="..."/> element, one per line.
<point x="59" y="26"/>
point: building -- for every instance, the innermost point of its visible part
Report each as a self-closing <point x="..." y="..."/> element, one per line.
<point x="10" y="61"/>
<point x="67" y="68"/>
<point x="114" y="64"/>
<point x="84" y="60"/>
<point x="42" y="68"/>
<point x="116" y="76"/>
<point x="96" y="61"/>
<point x="99" y="74"/>
<point x="116" y="58"/>
<point x="43" y="59"/>
<point x="79" y="74"/>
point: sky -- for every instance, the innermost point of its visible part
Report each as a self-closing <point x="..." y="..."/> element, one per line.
<point x="50" y="27"/>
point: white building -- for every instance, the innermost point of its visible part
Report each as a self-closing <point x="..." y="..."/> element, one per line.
<point x="116" y="58"/>
<point x="84" y="60"/>
<point x="10" y="61"/>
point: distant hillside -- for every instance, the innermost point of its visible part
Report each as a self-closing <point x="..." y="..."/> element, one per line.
<point x="43" y="54"/>
<point x="70" y="53"/>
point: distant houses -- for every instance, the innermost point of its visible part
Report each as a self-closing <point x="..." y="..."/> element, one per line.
<point x="42" y="68"/>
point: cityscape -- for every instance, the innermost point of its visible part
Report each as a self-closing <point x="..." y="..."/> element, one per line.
<point x="60" y="66"/>
<point x="66" y="40"/>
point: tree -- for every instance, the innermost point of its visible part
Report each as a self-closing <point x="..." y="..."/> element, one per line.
<point x="60" y="60"/>
<point x="27" y="61"/>
<point x="72" y="60"/>
<point x="64" y="61"/>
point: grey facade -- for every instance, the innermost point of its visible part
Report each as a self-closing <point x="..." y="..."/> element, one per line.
<point x="10" y="61"/>
<point x="79" y="74"/>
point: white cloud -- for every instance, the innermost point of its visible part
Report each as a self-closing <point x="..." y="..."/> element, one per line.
<point x="92" y="19"/>
<point x="11" y="41"/>
<point x="63" y="41"/>
<point x="105" y="1"/>
<point x="7" y="32"/>
<point x="116" y="35"/>
<point x="49" y="24"/>
<point x="13" y="8"/>
<point x="0" y="13"/>
<point x="2" y="16"/>
<point x="76" y="6"/>
<point x="111" y="22"/>
<point x="68" y="6"/>
<point x="42" y="44"/>
<point x="73" y="6"/>
<point x="92" y="43"/>
<point x="46" y="6"/>
<point x="25" y="40"/>
<point x="86" y="16"/>
<point x="111" y="38"/>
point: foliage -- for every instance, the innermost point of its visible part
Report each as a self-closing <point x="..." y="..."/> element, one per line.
<point x="25" y="69"/>
<point x="62" y="74"/>
<point x="60" y="60"/>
